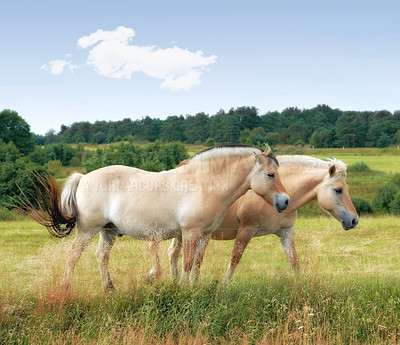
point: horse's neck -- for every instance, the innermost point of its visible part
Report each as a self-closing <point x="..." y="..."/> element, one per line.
<point x="302" y="186"/>
<point x="233" y="175"/>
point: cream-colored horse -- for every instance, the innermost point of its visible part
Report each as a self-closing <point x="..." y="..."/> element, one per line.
<point x="305" y="178"/>
<point x="189" y="202"/>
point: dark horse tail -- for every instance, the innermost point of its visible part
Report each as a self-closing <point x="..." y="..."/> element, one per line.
<point x="56" y="212"/>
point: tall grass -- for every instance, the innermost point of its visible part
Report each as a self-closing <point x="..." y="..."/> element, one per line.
<point x="346" y="293"/>
<point x="298" y="310"/>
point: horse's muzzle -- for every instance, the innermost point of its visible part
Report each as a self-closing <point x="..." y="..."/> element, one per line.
<point x="349" y="221"/>
<point x="281" y="202"/>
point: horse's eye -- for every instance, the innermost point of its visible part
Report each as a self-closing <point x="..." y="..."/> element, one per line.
<point x="271" y="175"/>
<point x="339" y="190"/>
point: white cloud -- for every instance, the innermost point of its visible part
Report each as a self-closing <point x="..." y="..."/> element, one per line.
<point x="58" y="66"/>
<point x="121" y="34"/>
<point x="113" y="56"/>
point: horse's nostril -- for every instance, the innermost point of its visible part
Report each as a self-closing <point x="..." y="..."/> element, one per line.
<point x="286" y="202"/>
<point x="354" y="222"/>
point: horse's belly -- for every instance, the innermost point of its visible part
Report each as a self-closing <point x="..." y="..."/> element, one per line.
<point x="147" y="227"/>
<point x="264" y="232"/>
<point x="273" y="226"/>
<point x="149" y="234"/>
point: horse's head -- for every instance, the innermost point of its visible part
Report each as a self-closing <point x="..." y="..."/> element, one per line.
<point x="265" y="181"/>
<point x="334" y="197"/>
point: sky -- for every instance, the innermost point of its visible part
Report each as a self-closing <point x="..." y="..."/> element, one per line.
<point x="68" y="61"/>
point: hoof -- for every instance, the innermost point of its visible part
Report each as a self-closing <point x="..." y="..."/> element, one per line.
<point x="109" y="288"/>
<point x="150" y="279"/>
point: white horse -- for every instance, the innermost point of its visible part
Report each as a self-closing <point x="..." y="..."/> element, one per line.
<point x="306" y="178"/>
<point x="189" y="202"/>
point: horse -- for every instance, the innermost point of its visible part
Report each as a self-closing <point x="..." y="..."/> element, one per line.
<point x="306" y="178"/>
<point x="189" y="202"/>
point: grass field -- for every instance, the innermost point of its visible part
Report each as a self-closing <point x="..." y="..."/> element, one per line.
<point x="347" y="292"/>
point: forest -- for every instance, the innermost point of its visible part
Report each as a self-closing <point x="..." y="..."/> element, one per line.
<point x="321" y="127"/>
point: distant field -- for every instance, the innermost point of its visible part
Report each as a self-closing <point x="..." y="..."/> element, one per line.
<point x="347" y="292"/>
<point x="385" y="163"/>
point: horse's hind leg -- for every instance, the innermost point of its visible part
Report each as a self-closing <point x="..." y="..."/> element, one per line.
<point x="173" y="256"/>
<point x="82" y="239"/>
<point x="155" y="271"/>
<point x="107" y="239"/>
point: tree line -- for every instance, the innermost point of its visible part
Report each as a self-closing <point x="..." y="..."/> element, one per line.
<point x="320" y="127"/>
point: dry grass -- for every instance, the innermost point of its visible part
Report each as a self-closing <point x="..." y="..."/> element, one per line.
<point x="347" y="291"/>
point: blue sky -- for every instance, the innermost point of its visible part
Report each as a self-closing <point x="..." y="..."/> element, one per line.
<point x="68" y="61"/>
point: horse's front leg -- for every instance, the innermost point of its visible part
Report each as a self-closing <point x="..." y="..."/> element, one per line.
<point x="190" y="239"/>
<point x="173" y="256"/>
<point x="287" y="239"/>
<point x="243" y="237"/>
<point x="156" y="270"/>
<point x="199" y="256"/>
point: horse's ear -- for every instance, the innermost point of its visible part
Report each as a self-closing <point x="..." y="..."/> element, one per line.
<point x="332" y="170"/>
<point x="267" y="149"/>
<point x="184" y="162"/>
<point x="257" y="157"/>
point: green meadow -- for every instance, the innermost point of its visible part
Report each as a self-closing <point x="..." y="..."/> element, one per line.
<point x="347" y="291"/>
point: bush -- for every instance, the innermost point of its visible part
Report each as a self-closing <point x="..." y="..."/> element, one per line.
<point x="359" y="166"/>
<point x="7" y="215"/>
<point x="299" y="143"/>
<point x="396" y="179"/>
<point x="38" y="156"/>
<point x="156" y="156"/>
<point x="395" y="204"/>
<point x="272" y="138"/>
<point x="210" y="142"/>
<point x="17" y="176"/>
<point x="75" y="162"/>
<point x="384" y="196"/>
<point x="362" y="206"/>
<point x="99" y="138"/>
<point x="61" y="152"/>
<point x="54" y="167"/>
<point x="8" y="152"/>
